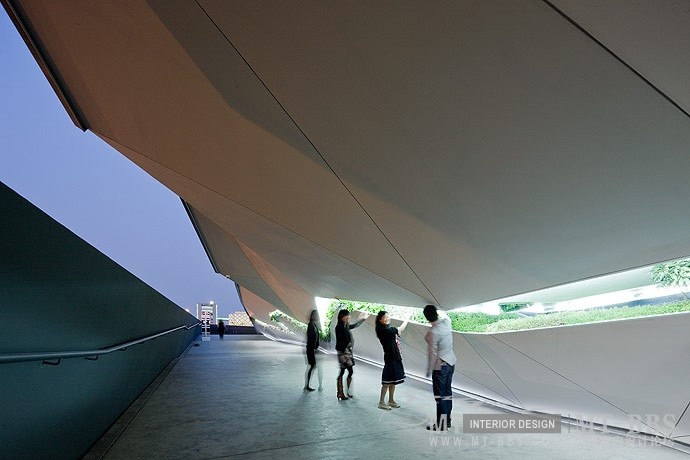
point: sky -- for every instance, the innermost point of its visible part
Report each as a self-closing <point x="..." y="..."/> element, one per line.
<point x="95" y="191"/>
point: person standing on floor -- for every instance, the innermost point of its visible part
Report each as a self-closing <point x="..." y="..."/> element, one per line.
<point x="343" y="345"/>
<point x="393" y="370"/>
<point x="312" y="345"/>
<point x="221" y="329"/>
<point x="441" y="365"/>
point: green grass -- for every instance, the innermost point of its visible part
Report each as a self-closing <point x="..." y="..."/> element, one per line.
<point x="477" y="322"/>
<point x="484" y="323"/>
<point x="582" y="317"/>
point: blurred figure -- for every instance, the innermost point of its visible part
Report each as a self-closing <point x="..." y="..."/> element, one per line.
<point x="441" y="365"/>
<point x="221" y="329"/>
<point x="393" y="370"/>
<point x="343" y="345"/>
<point x="312" y="345"/>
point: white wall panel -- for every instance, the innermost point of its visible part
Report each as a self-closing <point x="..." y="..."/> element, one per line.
<point x="635" y="365"/>
<point x="627" y="374"/>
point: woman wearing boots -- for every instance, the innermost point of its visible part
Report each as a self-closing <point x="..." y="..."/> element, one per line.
<point x="312" y="346"/>
<point x="343" y="345"/>
<point x="393" y="370"/>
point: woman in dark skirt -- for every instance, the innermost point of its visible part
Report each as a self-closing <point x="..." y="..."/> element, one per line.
<point x="393" y="370"/>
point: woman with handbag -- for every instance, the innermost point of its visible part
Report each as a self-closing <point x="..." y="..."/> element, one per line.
<point x="343" y="345"/>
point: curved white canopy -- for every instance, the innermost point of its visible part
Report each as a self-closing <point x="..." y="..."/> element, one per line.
<point x="400" y="152"/>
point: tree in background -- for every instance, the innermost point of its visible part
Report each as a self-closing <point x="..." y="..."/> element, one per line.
<point x="672" y="274"/>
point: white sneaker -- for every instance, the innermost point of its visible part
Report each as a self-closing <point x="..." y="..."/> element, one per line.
<point x="384" y="406"/>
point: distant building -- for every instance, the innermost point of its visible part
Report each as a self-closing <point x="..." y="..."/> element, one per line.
<point x="207" y="313"/>
<point x="239" y="318"/>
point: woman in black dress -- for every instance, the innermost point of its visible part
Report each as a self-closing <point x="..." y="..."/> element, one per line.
<point x="393" y="370"/>
<point x="312" y="345"/>
<point x="343" y="345"/>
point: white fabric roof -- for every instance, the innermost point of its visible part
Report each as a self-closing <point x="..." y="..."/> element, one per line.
<point x="400" y="152"/>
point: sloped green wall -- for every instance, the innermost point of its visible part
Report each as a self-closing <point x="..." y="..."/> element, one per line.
<point x="58" y="293"/>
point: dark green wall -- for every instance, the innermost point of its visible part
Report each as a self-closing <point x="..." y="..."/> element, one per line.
<point x="58" y="293"/>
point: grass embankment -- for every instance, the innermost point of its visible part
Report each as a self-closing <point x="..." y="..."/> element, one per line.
<point x="581" y="317"/>
<point x="481" y="322"/>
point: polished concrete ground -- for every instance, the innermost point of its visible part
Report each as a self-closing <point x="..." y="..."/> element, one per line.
<point x="242" y="398"/>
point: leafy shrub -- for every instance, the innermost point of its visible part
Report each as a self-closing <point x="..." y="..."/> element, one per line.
<point x="675" y="273"/>
<point x="277" y="316"/>
<point x="672" y="274"/>
<point x="325" y="333"/>
<point x="508" y="307"/>
<point x="394" y="311"/>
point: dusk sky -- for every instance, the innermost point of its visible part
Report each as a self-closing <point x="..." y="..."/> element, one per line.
<point x="95" y="191"/>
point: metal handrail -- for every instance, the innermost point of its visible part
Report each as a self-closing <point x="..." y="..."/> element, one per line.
<point x="47" y="357"/>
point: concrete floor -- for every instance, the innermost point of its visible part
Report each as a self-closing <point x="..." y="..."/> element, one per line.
<point x="242" y="398"/>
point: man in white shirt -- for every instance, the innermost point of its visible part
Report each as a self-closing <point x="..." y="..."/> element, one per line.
<point x="441" y="365"/>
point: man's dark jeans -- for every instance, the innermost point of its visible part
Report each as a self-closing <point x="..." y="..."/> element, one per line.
<point x="443" y="394"/>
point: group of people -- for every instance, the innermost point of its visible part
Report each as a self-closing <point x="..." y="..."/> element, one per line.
<point x="441" y="359"/>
